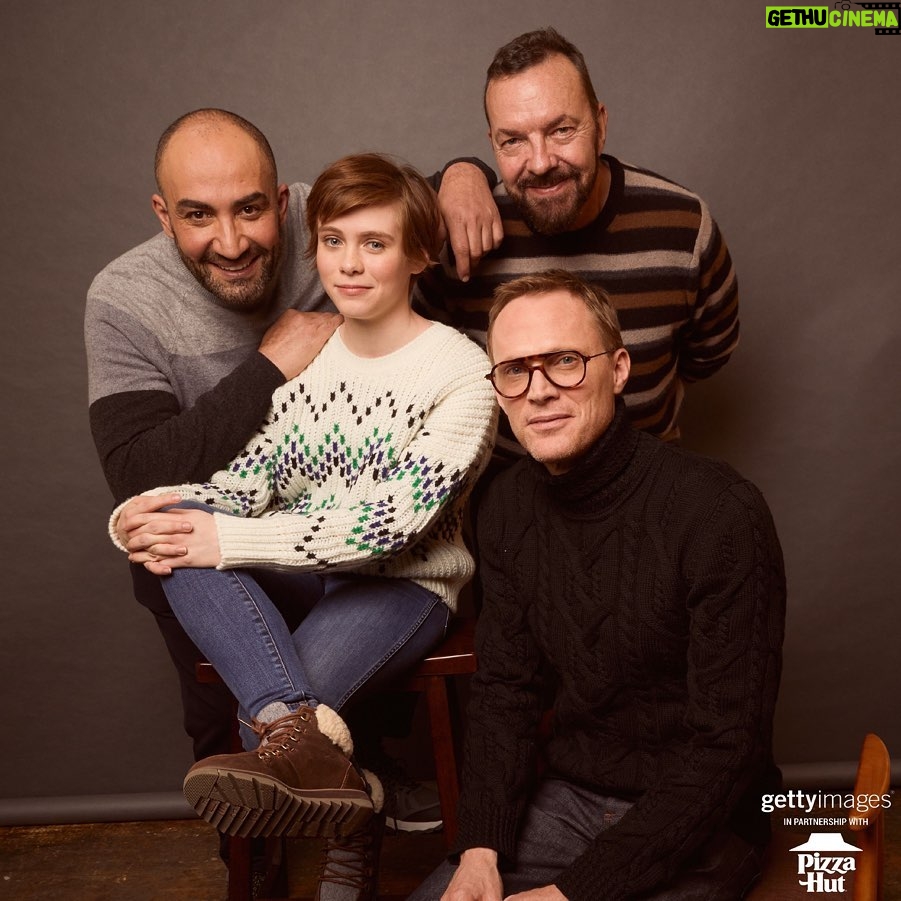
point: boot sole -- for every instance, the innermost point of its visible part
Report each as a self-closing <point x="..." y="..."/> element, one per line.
<point x="250" y="805"/>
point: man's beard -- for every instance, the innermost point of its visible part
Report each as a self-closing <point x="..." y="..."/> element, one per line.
<point x="244" y="295"/>
<point x="554" y="215"/>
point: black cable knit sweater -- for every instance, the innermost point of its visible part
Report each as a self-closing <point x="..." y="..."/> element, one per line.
<point x="643" y="593"/>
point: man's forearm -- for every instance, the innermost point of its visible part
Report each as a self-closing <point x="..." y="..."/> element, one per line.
<point x="144" y="439"/>
<point x="489" y="173"/>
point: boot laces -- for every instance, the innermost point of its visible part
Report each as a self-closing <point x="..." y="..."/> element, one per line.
<point x="349" y="861"/>
<point x="278" y="736"/>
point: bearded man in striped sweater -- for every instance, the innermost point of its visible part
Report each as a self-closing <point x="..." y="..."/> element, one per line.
<point x="649" y="243"/>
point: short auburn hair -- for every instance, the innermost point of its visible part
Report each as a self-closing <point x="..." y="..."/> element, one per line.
<point x="595" y="299"/>
<point x="372" y="179"/>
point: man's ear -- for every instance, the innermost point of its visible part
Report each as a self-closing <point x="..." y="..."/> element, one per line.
<point x="601" y="118"/>
<point x="283" y="196"/>
<point x="622" y="366"/>
<point x="162" y="213"/>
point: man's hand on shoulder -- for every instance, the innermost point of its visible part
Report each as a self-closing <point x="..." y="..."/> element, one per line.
<point x="470" y="216"/>
<point x="292" y="342"/>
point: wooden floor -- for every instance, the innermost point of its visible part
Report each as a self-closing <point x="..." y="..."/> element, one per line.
<point x="178" y="860"/>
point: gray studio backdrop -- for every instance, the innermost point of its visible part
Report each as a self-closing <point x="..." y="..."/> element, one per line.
<point x="792" y="138"/>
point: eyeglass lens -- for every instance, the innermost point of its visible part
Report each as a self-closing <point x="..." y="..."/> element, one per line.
<point x="564" y="368"/>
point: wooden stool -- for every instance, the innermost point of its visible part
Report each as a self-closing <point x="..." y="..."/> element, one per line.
<point x="455" y="656"/>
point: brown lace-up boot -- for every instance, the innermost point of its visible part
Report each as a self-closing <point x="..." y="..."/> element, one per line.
<point x="349" y="870"/>
<point x="299" y="781"/>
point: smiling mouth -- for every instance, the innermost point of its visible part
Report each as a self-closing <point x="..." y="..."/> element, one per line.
<point x="547" y="189"/>
<point x="234" y="271"/>
<point x="546" y="182"/>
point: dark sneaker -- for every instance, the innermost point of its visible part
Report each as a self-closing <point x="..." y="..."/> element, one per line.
<point x="409" y="806"/>
<point x="299" y="781"/>
<point x="413" y="807"/>
<point x="350" y="866"/>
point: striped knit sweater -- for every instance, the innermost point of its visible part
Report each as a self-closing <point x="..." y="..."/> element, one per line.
<point x="362" y="464"/>
<point x="660" y="256"/>
<point x="644" y="593"/>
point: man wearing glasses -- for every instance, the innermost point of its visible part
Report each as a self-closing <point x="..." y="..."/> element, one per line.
<point x="630" y="638"/>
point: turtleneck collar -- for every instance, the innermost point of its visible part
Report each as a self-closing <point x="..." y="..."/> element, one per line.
<point x="595" y="481"/>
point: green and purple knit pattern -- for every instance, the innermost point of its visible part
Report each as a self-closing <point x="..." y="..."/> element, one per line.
<point x="297" y="465"/>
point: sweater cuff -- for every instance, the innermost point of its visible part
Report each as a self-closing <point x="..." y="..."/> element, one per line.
<point x="111" y="526"/>
<point x="242" y="545"/>
<point x="268" y="370"/>
<point x="487" y="827"/>
<point x="580" y="882"/>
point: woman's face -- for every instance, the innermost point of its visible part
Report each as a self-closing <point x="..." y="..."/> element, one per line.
<point x="362" y="264"/>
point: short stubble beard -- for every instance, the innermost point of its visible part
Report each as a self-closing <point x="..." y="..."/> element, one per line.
<point x="244" y="295"/>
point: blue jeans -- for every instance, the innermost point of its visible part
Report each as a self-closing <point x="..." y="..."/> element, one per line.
<point x="561" y="823"/>
<point x="356" y="633"/>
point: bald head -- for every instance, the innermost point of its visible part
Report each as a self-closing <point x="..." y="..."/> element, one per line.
<point x="209" y="122"/>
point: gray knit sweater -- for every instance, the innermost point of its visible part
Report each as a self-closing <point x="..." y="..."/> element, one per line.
<point x="176" y="383"/>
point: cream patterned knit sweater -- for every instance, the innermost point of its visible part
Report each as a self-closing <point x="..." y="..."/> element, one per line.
<point x="362" y="464"/>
